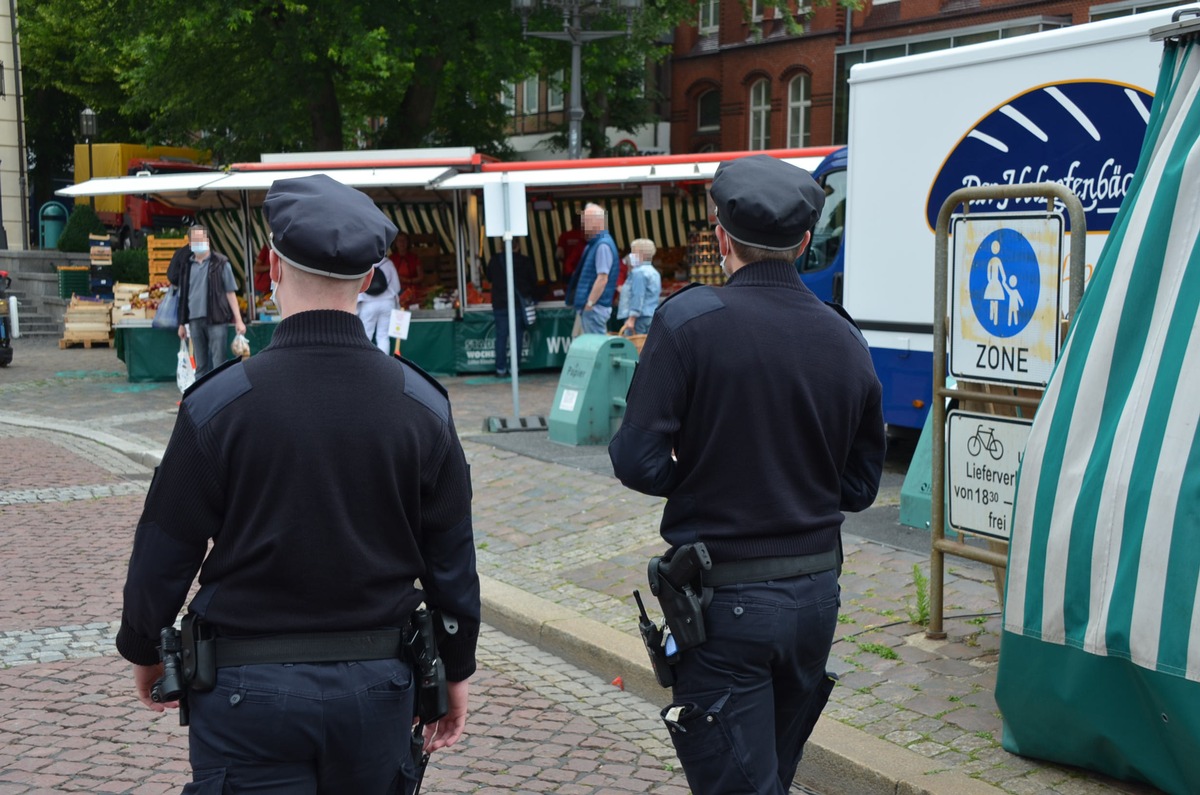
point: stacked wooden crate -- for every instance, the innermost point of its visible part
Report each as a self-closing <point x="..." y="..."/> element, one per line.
<point x="129" y="302"/>
<point x="88" y="322"/>
<point x="159" y="251"/>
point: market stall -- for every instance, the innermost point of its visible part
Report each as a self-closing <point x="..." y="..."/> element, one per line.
<point x="435" y="197"/>
<point x="663" y="198"/>
<point x="229" y="203"/>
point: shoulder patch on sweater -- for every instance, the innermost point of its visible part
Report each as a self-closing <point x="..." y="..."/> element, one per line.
<point x="216" y="390"/>
<point x="841" y="310"/>
<point x="425" y="389"/>
<point x="678" y="308"/>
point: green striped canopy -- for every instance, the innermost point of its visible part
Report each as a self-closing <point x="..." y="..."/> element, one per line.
<point x="1100" y="658"/>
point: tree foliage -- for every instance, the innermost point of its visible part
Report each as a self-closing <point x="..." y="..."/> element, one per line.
<point x="81" y="223"/>
<point x="242" y="77"/>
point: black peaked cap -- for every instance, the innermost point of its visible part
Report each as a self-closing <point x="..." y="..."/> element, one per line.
<point x="322" y="226"/>
<point x="765" y="202"/>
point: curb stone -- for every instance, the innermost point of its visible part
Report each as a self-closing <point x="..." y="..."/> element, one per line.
<point x="838" y="759"/>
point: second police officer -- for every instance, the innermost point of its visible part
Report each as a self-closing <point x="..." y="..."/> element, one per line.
<point x="755" y="410"/>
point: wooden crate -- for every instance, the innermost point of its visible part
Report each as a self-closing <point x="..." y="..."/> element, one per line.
<point x="87" y="318"/>
<point x="159" y="251"/>
<point x="100" y="249"/>
<point x="124" y="292"/>
<point x="122" y="313"/>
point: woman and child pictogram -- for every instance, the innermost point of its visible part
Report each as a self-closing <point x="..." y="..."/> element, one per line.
<point x="1000" y="285"/>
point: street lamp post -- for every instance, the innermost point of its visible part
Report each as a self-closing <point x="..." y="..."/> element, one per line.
<point x="88" y="129"/>
<point x="573" y="12"/>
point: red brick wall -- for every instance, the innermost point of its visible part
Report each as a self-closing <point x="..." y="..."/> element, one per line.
<point x="732" y="59"/>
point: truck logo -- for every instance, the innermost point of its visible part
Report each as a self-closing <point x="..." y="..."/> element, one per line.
<point x="1085" y="135"/>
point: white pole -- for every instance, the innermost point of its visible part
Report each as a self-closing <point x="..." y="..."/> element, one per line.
<point x="14" y="319"/>
<point x="514" y="344"/>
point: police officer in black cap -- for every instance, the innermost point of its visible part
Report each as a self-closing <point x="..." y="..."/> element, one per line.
<point x="327" y="477"/>
<point x="755" y="410"/>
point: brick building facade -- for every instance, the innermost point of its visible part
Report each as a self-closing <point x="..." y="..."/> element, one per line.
<point x="748" y="81"/>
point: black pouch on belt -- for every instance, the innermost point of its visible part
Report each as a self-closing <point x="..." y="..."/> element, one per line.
<point x="199" y="654"/>
<point x="677" y="584"/>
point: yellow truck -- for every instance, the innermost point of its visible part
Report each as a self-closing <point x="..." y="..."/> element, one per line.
<point x="130" y="217"/>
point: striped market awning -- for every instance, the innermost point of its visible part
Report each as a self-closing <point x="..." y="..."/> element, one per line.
<point x="1100" y="658"/>
<point x="423" y="218"/>
<point x="628" y="220"/>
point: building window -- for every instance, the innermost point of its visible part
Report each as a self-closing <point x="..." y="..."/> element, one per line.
<point x="799" y="104"/>
<point x="710" y="16"/>
<point x="508" y="97"/>
<point x="708" y="111"/>
<point x="760" y="115"/>
<point x="846" y="57"/>
<point x="554" y="91"/>
<point x="530" y="90"/>
<point x="758" y="9"/>
<point x="1128" y="8"/>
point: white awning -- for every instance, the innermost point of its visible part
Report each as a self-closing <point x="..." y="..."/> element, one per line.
<point x="604" y="175"/>
<point x="252" y="180"/>
<point x="354" y="177"/>
<point x="149" y="183"/>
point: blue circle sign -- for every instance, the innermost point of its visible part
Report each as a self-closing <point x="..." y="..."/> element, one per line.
<point x="1004" y="283"/>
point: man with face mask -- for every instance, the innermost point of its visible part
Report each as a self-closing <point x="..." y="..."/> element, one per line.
<point x="207" y="302"/>
<point x="756" y="412"/>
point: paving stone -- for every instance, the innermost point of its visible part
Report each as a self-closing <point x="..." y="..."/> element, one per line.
<point x="567" y="533"/>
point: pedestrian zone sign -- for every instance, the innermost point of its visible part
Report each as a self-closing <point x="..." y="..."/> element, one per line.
<point x="1005" y="297"/>
<point x="983" y="454"/>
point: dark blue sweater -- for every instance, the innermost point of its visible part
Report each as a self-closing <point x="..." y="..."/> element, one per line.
<point x="327" y="477"/>
<point x="769" y="400"/>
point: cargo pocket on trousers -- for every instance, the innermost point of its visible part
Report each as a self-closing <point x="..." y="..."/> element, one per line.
<point x="697" y="728"/>
<point x="208" y="782"/>
<point x="816" y="705"/>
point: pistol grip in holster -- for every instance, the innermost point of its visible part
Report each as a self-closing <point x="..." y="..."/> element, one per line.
<point x="433" y="694"/>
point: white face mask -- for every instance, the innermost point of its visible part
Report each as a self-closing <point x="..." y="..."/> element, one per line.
<point x="723" y="268"/>
<point x="634" y="260"/>
<point x="275" y="297"/>
<point x="199" y="248"/>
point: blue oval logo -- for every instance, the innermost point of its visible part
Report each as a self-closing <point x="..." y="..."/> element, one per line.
<point x="1085" y="135"/>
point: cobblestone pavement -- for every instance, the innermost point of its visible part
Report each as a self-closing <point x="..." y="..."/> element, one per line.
<point x="69" y="722"/>
<point x="569" y="535"/>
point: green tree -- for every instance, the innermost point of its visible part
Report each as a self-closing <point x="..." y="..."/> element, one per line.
<point x="248" y="76"/>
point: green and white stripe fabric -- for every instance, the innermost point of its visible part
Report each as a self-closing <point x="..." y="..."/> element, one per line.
<point x="1104" y="568"/>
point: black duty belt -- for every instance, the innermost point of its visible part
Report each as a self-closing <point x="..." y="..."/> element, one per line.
<point x="322" y="647"/>
<point x="763" y="569"/>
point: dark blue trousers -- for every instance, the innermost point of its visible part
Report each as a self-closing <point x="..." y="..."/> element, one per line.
<point x="304" y="729"/>
<point x="746" y="700"/>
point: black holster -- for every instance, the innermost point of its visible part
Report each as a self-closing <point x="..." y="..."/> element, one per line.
<point x="677" y="584"/>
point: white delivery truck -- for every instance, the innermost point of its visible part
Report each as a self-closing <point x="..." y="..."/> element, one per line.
<point x="1067" y="106"/>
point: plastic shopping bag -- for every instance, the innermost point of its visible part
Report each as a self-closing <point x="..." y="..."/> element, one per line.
<point x="530" y="307"/>
<point x="240" y="346"/>
<point x="185" y="370"/>
<point x="167" y="315"/>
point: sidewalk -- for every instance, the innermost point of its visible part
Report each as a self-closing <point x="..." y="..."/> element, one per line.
<point x="561" y="545"/>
